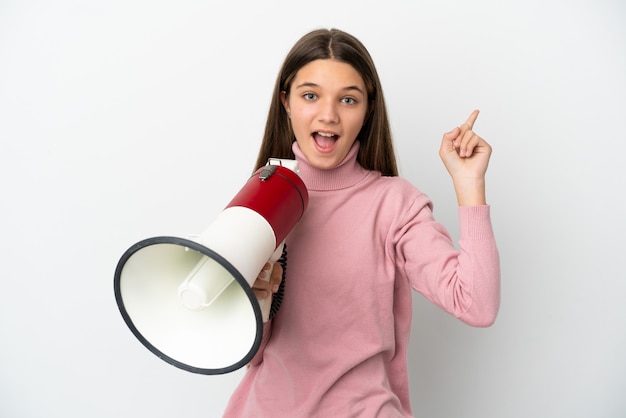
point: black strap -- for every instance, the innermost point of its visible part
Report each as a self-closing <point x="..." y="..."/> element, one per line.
<point x="277" y="299"/>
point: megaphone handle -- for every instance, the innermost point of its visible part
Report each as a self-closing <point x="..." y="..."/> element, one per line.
<point x="266" y="304"/>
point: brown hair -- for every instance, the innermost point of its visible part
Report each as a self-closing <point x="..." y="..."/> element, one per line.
<point x="376" y="149"/>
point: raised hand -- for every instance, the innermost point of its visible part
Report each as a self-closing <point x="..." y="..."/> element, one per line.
<point x="466" y="157"/>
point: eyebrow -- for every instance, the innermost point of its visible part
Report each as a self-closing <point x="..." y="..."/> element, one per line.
<point x="347" y="88"/>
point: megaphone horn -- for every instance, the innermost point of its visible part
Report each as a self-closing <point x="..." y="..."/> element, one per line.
<point x="190" y="302"/>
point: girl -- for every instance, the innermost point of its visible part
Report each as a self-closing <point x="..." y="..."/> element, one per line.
<point x="338" y="345"/>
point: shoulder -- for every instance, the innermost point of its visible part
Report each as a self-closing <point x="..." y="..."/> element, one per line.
<point x="397" y="187"/>
<point x="397" y="195"/>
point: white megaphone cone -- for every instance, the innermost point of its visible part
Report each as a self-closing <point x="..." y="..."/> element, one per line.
<point x="191" y="302"/>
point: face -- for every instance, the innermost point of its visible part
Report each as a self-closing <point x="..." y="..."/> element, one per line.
<point x="327" y="104"/>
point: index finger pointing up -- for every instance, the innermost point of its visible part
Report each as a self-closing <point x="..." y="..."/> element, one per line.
<point x="472" y="118"/>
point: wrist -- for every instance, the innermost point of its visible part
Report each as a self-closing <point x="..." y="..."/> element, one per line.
<point x="470" y="191"/>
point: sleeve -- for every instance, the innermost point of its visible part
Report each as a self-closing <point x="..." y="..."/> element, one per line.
<point x="258" y="357"/>
<point x="464" y="282"/>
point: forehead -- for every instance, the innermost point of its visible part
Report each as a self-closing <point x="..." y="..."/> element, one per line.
<point x="330" y="74"/>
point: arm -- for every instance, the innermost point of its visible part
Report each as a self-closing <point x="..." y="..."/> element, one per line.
<point x="465" y="283"/>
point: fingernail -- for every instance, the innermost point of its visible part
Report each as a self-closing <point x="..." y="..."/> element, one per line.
<point x="275" y="288"/>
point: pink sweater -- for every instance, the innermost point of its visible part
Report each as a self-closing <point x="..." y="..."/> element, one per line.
<point x="338" y="345"/>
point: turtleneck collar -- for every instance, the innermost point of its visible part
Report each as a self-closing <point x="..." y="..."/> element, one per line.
<point x="348" y="173"/>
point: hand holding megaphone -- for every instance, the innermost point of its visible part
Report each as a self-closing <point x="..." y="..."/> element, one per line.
<point x="268" y="283"/>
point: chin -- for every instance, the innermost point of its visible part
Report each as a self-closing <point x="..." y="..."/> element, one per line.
<point x="325" y="164"/>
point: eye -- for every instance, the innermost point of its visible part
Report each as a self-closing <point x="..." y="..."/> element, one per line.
<point x="348" y="100"/>
<point x="309" y="96"/>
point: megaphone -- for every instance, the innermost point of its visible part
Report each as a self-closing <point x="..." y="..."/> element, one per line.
<point x="190" y="301"/>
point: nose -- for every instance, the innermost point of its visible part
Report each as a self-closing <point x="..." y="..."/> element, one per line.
<point x="328" y="111"/>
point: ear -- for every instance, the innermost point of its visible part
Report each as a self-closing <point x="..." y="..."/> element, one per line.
<point x="285" y="101"/>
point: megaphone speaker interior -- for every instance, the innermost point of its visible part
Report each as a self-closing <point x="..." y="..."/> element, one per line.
<point x="191" y="302"/>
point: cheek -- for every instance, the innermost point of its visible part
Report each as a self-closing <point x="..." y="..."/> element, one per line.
<point x="356" y="123"/>
<point x="299" y="125"/>
<point x="303" y="113"/>
<point x="301" y="119"/>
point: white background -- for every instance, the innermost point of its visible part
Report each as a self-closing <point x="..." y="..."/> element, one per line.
<point x="121" y="120"/>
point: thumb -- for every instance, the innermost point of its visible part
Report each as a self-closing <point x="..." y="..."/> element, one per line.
<point x="449" y="137"/>
<point x="452" y="134"/>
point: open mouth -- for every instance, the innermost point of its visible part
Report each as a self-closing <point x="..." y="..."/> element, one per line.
<point x="325" y="140"/>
